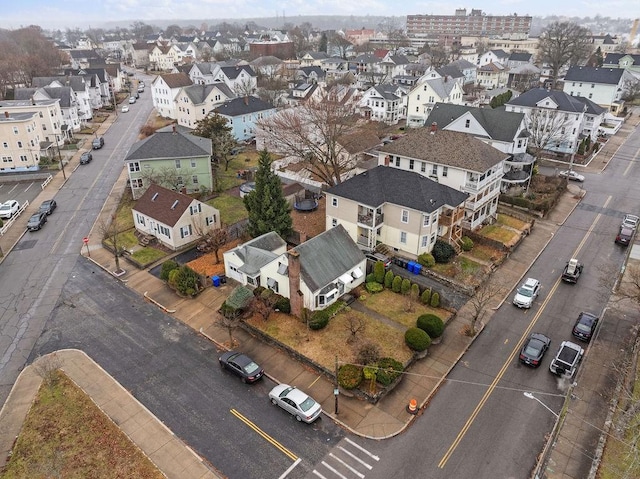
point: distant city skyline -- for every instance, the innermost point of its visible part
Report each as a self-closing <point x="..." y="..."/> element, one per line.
<point x="83" y="14"/>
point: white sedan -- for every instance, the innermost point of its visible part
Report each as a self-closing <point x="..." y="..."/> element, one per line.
<point x="571" y="175"/>
<point x="297" y="403"/>
<point x="125" y="108"/>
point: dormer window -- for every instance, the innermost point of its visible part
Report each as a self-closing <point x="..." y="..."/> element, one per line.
<point x="175" y="203"/>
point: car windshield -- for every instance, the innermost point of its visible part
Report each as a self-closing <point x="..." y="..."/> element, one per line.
<point x="5" y="207"/>
<point x="251" y="368"/>
<point x="524" y="291"/>
<point x="585" y="328"/>
<point x="307" y="404"/>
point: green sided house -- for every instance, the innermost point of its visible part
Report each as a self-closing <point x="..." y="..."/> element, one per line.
<point x="173" y="158"/>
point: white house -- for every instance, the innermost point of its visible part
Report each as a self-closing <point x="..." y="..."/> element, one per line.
<point x="604" y="86"/>
<point x="426" y="93"/>
<point x="195" y="102"/>
<point x="385" y="103"/>
<point x="165" y="89"/>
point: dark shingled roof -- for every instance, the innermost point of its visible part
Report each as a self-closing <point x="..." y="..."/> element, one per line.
<point x="450" y="148"/>
<point x="164" y="143"/>
<point x="611" y="58"/>
<point x="232" y="72"/>
<point x="532" y="97"/>
<point x="198" y="93"/>
<point x="609" y="76"/>
<point x="499" y="124"/>
<point x="325" y="257"/>
<point x="176" y="80"/>
<point x="163" y="205"/>
<point x="386" y="184"/>
<point x="242" y="106"/>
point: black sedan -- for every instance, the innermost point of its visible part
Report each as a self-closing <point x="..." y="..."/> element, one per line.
<point x="48" y="206"/>
<point x="585" y="326"/>
<point x="534" y="349"/>
<point x="242" y="366"/>
<point x="86" y="157"/>
<point x="36" y="221"/>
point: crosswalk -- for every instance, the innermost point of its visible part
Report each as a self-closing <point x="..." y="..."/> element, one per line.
<point x="348" y="460"/>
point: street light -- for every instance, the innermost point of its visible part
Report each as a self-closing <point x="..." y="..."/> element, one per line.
<point x="531" y="396"/>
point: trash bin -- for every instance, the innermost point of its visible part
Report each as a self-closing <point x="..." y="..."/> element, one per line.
<point x="410" y="266"/>
<point x="215" y="280"/>
<point x="417" y="268"/>
<point x="223" y="279"/>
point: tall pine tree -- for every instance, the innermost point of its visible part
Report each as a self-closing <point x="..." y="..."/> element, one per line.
<point x="268" y="210"/>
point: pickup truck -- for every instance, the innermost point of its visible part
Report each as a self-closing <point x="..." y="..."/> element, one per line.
<point x="566" y="360"/>
<point x="572" y="271"/>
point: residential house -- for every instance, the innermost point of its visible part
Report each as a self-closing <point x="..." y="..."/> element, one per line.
<point x="20" y="141"/>
<point x="426" y="93"/>
<point x="313" y="275"/>
<point x="268" y="67"/>
<point x="492" y="76"/>
<point x="553" y="103"/>
<point x="195" y="102"/>
<point x="310" y="75"/>
<point x="302" y="92"/>
<point x="242" y="114"/>
<point x="80" y="87"/>
<point x="138" y="54"/>
<point x="369" y="71"/>
<point x="335" y="68"/>
<point x="524" y="77"/>
<point x="394" y="66"/>
<point x="163" y="57"/>
<point x="172" y="157"/>
<point x="83" y="58"/>
<point x="99" y="83"/>
<point x="503" y="130"/>
<point x="313" y="59"/>
<point x="454" y="159"/>
<point x="468" y="70"/>
<point x="606" y="43"/>
<point x="239" y="78"/>
<point x="627" y="61"/>
<point x="165" y="89"/>
<point x="594" y="117"/>
<point x="401" y="209"/>
<point x="174" y="219"/>
<point x="517" y="59"/>
<point x="385" y="103"/>
<point x="493" y="56"/>
<point x="604" y="86"/>
<point x="66" y="98"/>
<point x="359" y="37"/>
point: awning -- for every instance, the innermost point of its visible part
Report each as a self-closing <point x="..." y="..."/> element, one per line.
<point x="346" y="278"/>
<point x="331" y="293"/>
<point x="357" y="273"/>
<point x="271" y="282"/>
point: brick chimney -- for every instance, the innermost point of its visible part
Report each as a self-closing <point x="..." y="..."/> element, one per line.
<point x="6" y="114"/>
<point x="246" y="100"/>
<point x="387" y="160"/>
<point x="434" y="128"/>
<point x="175" y="131"/>
<point x="295" y="295"/>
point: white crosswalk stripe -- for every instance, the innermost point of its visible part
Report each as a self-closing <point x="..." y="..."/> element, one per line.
<point x="348" y="460"/>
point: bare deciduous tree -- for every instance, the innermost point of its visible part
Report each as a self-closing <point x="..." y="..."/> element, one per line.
<point x="480" y="302"/>
<point x="167" y="177"/>
<point x="211" y="239"/>
<point x="355" y="325"/>
<point x="262" y="306"/>
<point x="562" y="44"/>
<point x="109" y="230"/>
<point x="546" y="128"/>
<point x="47" y="368"/>
<point x="230" y="320"/>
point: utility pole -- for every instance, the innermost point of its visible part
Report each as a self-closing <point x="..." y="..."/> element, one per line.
<point x="64" y="175"/>
<point x="336" y="390"/>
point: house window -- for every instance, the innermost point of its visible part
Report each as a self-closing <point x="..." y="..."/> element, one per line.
<point x="593" y="85"/>
<point x="136" y="183"/>
<point x="177" y="163"/>
<point x="519" y="143"/>
<point x="19" y="144"/>
<point x="411" y="162"/>
<point x="403" y="237"/>
<point x="398" y="161"/>
<point x="334" y="222"/>
<point x="433" y="238"/>
<point x="404" y="216"/>
<point x="590" y="95"/>
<point x="135" y="166"/>
<point x="272" y="284"/>
<point x="185" y="231"/>
<point x="467" y="123"/>
<point x="210" y="220"/>
<point x="424" y="242"/>
<point x="194" y="179"/>
<point x="193" y="163"/>
<point x="140" y="219"/>
<point x="445" y="170"/>
<point x="334" y="202"/>
<point x="197" y="208"/>
<point x="164" y="231"/>
<point x="434" y="170"/>
<point x="425" y="220"/>
<point x="15" y="130"/>
<point x="423" y="167"/>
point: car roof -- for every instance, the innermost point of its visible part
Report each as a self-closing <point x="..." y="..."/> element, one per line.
<point x="296" y="395"/>
<point x="587" y="318"/>
<point x="531" y="282"/>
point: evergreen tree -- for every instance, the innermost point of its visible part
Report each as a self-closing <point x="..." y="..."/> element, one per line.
<point x="268" y="210"/>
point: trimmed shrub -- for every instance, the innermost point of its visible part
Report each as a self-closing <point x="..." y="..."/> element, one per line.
<point x="184" y="280"/>
<point x="396" y="284"/>
<point x="378" y="272"/>
<point x="443" y="252"/>
<point x="426" y="296"/>
<point x="405" y="287"/>
<point x="427" y="260"/>
<point x="258" y="291"/>
<point x="415" y="291"/>
<point x="266" y="295"/>
<point x="388" y="370"/>
<point x="417" y="339"/>
<point x="435" y="300"/>
<point x="430" y="324"/>
<point x="369" y="353"/>
<point x="350" y="376"/>
<point x="319" y="319"/>
<point x="373" y="287"/>
<point x="370" y="278"/>
<point x="388" y="279"/>
<point x="282" y="304"/>
<point x="466" y="243"/>
<point x="167" y="267"/>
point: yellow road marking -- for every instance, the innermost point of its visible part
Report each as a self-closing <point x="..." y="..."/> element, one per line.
<point x="316" y="380"/>
<point x="515" y="350"/>
<point x="269" y="439"/>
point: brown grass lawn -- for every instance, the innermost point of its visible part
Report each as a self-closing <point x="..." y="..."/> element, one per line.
<point x="462" y="269"/>
<point x="206" y="264"/>
<point x="511" y="221"/>
<point x="485" y="253"/>
<point x="393" y="306"/>
<point x="67" y="435"/>
<point x="498" y="233"/>
<point x="324" y="345"/>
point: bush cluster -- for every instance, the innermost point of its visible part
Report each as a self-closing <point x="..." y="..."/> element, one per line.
<point x="466" y="243"/>
<point x="369" y="353"/>
<point x="319" y="319"/>
<point x="427" y="260"/>
<point x="167" y="267"/>
<point x="350" y="376"/>
<point x="373" y="287"/>
<point x="417" y="339"/>
<point x="388" y="370"/>
<point x="184" y="280"/>
<point x="435" y="300"/>
<point x="430" y="324"/>
<point x="425" y="297"/>
<point x="443" y="252"/>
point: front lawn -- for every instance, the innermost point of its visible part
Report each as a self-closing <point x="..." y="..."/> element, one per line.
<point x="231" y="208"/>
<point x="148" y="255"/>
<point x="394" y="305"/>
<point x="228" y="177"/>
<point x="462" y="269"/>
<point x="499" y="233"/>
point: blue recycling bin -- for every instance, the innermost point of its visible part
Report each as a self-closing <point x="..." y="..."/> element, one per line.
<point x="215" y="280"/>
<point x="417" y="268"/>
<point x="410" y="266"/>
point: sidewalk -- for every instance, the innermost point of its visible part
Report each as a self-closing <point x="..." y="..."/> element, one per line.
<point x="387" y="418"/>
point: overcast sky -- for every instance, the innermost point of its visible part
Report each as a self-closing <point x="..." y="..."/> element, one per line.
<point x="94" y="13"/>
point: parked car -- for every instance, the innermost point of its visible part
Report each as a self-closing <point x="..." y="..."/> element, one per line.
<point x="572" y="271"/>
<point x="625" y="235"/>
<point x="565" y="363"/>
<point x="141" y="89"/>
<point x="585" y="326"/>
<point x="97" y="143"/>
<point x="48" y="206"/>
<point x="630" y="221"/>
<point x="571" y="175"/>
<point x="527" y="293"/>
<point x="86" y="157"/>
<point x="242" y="366"/>
<point x="125" y="108"/>
<point x="36" y="221"/>
<point x="132" y="99"/>
<point x="9" y="208"/>
<point x="297" y="403"/>
<point x="534" y="349"/>
<point x="375" y="257"/>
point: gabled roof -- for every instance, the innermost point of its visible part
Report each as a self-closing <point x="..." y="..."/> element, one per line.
<point x="307" y="71"/>
<point x="316" y="55"/>
<point x="611" y="58"/>
<point x="232" y="72"/>
<point x="608" y="76"/>
<point x="462" y="64"/>
<point x="386" y="184"/>
<point x="457" y="150"/>
<point x="242" y="106"/>
<point x="359" y="141"/>
<point x="325" y="257"/>
<point x="61" y="93"/>
<point x="258" y="252"/>
<point x="440" y="86"/>
<point x="163" y="205"/>
<point x="532" y="97"/>
<point x="165" y="143"/>
<point x="176" y="80"/>
<point x="500" y="53"/>
<point x="388" y="91"/>
<point x="525" y="69"/>
<point x="492" y="67"/>
<point x="499" y="124"/>
<point x="520" y="57"/>
<point x="450" y="71"/>
<point x="592" y="108"/>
<point x="198" y="93"/>
<point x="365" y="58"/>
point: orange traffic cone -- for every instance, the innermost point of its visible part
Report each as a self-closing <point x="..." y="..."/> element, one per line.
<point x="412" y="408"/>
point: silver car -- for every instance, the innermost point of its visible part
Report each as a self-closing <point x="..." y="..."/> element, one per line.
<point x="297" y="403"/>
<point x="527" y="293"/>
